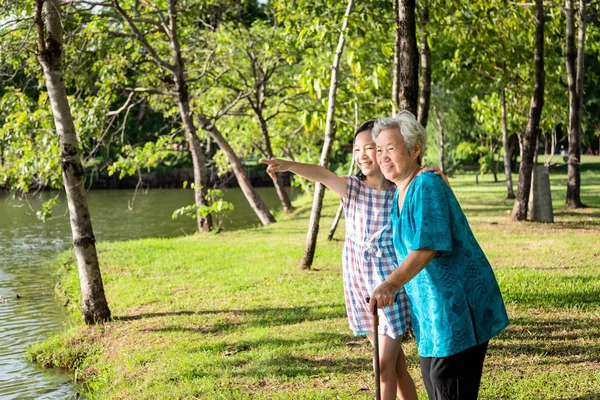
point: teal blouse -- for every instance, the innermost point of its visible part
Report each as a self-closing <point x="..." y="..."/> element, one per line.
<point x="455" y="301"/>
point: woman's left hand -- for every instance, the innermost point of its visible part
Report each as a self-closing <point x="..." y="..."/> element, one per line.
<point x="384" y="295"/>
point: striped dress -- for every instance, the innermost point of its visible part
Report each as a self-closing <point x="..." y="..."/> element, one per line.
<point x="369" y="258"/>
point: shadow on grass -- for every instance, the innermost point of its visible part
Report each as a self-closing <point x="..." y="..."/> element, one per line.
<point x="288" y="358"/>
<point x="551" y="342"/>
<point x="244" y="318"/>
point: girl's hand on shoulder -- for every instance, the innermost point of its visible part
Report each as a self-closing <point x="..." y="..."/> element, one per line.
<point x="436" y="170"/>
<point x="275" y="165"/>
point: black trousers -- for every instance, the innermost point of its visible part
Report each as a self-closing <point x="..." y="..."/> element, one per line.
<point x="455" y="377"/>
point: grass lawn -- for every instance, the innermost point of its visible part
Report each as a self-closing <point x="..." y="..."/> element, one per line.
<point x="230" y="316"/>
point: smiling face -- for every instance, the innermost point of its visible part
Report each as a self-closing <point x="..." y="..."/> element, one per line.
<point x="393" y="157"/>
<point x="365" y="153"/>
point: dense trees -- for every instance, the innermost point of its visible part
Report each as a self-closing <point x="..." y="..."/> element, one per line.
<point x="230" y="81"/>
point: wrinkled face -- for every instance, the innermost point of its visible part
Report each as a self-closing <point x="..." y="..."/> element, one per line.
<point x="393" y="157"/>
<point x="365" y="153"/>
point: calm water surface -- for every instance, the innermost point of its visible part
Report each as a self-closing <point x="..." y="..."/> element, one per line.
<point x="27" y="245"/>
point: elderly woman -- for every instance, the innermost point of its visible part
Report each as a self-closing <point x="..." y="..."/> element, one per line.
<point x="454" y="298"/>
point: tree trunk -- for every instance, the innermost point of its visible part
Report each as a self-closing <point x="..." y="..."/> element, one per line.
<point x="441" y="128"/>
<point x="396" y="66"/>
<point x="409" y="57"/>
<point x="540" y="199"/>
<point x="494" y="163"/>
<point x="575" y="82"/>
<point x="284" y="199"/>
<point x="519" y="212"/>
<point x="425" y="98"/>
<point x="183" y="99"/>
<point x="338" y="214"/>
<point x="259" y="207"/>
<point x="94" y="307"/>
<point x="315" y="214"/>
<point x="510" y="194"/>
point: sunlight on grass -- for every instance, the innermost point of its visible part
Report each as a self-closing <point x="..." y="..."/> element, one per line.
<point x="231" y="316"/>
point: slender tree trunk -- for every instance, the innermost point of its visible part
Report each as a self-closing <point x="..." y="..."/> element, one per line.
<point x="425" y="98"/>
<point x="284" y="199"/>
<point x="315" y="214"/>
<point x="409" y="57"/>
<point x="183" y="99"/>
<point x="575" y="82"/>
<point x="396" y="67"/>
<point x="494" y="162"/>
<point x="510" y="194"/>
<point x="441" y="128"/>
<point x="94" y="307"/>
<point x="535" y="112"/>
<point x="536" y="149"/>
<point x="259" y="207"/>
<point x="338" y="214"/>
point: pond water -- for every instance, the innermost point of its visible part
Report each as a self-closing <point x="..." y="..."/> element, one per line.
<point x="27" y="245"/>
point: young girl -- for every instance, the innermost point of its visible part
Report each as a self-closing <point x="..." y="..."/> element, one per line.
<point x="368" y="257"/>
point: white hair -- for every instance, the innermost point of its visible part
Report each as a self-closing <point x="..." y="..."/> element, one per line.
<point x="407" y="125"/>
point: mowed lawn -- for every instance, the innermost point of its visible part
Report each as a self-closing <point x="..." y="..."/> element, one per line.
<point x="230" y="316"/>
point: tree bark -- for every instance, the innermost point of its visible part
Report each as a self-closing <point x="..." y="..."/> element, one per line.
<point x="259" y="207"/>
<point x="409" y="57"/>
<point x="510" y="194"/>
<point x="494" y="162"/>
<point x="425" y="97"/>
<point x="183" y="100"/>
<point x="284" y="199"/>
<point x="575" y="82"/>
<point x="315" y="214"/>
<point x="519" y="212"/>
<point x="441" y="128"/>
<point x="338" y="214"/>
<point x="396" y="66"/>
<point x="94" y="307"/>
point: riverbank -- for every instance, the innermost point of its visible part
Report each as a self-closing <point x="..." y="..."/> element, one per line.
<point x="231" y="316"/>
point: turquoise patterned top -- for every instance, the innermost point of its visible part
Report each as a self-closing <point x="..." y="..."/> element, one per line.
<point x="455" y="301"/>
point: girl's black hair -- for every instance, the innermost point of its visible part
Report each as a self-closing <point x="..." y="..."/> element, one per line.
<point x="365" y="126"/>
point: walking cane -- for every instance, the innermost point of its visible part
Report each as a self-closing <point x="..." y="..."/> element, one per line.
<point x="376" y="350"/>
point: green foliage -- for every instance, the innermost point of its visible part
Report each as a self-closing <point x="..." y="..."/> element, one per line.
<point x="45" y="212"/>
<point x="466" y="152"/>
<point x="134" y="159"/>
<point x="215" y="206"/>
<point x="230" y="47"/>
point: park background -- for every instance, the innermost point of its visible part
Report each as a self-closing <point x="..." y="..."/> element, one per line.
<point x="188" y="95"/>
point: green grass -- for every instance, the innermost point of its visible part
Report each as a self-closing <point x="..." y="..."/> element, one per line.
<point x="231" y="316"/>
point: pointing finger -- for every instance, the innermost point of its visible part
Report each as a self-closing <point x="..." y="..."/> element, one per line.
<point x="267" y="162"/>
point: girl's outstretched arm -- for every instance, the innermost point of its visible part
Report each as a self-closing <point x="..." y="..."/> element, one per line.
<point x="312" y="172"/>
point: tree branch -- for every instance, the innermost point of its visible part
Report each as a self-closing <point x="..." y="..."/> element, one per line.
<point x="151" y="91"/>
<point x="142" y="39"/>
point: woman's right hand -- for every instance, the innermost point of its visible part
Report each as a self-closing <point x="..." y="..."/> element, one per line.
<point x="275" y="165"/>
